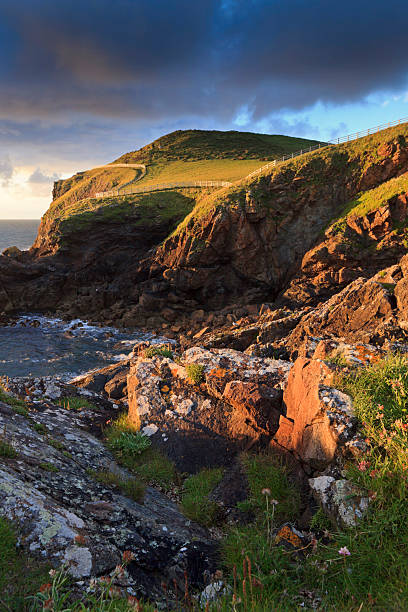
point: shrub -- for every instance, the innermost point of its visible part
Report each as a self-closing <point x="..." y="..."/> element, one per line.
<point x="195" y="372"/>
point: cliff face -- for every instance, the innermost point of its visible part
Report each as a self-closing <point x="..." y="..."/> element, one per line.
<point x="288" y="234"/>
<point x="252" y="238"/>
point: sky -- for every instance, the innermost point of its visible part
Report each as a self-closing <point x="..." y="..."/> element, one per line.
<point x="84" y="81"/>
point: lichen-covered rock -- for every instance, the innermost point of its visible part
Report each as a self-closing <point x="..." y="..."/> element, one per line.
<point x="205" y="424"/>
<point x="66" y="516"/>
<point x="343" y="501"/>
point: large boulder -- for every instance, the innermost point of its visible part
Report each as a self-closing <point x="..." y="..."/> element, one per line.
<point x="235" y="402"/>
<point x="318" y="422"/>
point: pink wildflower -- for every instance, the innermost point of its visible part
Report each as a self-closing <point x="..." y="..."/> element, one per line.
<point x="344" y="551"/>
<point x="363" y="465"/>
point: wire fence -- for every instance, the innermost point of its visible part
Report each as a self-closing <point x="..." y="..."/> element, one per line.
<point x="331" y="143"/>
<point x="131" y="190"/>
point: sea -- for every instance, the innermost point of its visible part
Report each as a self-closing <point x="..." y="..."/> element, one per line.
<point x="36" y="345"/>
<point x="17" y="232"/>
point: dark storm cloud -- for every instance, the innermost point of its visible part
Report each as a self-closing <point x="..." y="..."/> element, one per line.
<point x="152" y="60"/>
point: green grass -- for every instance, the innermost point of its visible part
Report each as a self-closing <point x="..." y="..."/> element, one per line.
<point x="195" y="372"/>
<point x="150" y="466"/>
<point x="371" y="200"/>
<point x="6" y="450"/>
<point x="56" y="444"/>
<point x="216" y="170"/>
<point x="82" y="184"/>
<point x="132" y="488"/>
<point x="152" y="209"/>
<point x="195" y="503"/>
<point x="153" y="350"/>
<point x="181" y="156"/>
<point x="40" y="428"/>
<point x="129" y="442"/>
<point x="77" y="403"/>
<point x="196" y="145"/>
<point x="20" y="576"/>
<point x="266" y="472"/>
<point x="346" y="161"/>
<point x="48" y="467"/>
<point x="16" y="404"/>
<point x="375" y="575"/>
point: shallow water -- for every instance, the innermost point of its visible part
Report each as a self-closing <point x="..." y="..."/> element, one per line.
<point x="49" y="350"/>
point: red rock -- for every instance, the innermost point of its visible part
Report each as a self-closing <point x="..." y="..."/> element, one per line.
<point x="322" y="421"/>
<point x="259" y="404"/>
<point x="284" y="434"/>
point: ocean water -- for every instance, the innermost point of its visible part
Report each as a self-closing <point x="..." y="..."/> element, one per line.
<point x="65" y="349"/>
<point x="19" y="233"/>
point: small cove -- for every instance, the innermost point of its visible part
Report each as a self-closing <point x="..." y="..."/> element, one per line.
<point x="41" y="346"/>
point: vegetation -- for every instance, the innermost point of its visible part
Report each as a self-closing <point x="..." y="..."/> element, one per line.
<point x="371" y="200"/>
<point x="349" y="159"/>
<point x="150" y="466"/>
<point x="131" y="487"/>
<point x="195" y="502"/>
<point x="69" y="191"/>
<point x="20" y="576"/>
<point x="132" y="442"/>
<point x="195" y="372"/>
<point x="152" y="209"/>
<point x="189" y="155"/>
<point x="354" y="569"/>
<point x="48" y="467"/>
<point x="76" y="403"/>
<point x="263" y="472"/>
<point x="360" y="568"/>
<point x="6" y="450"/>
<point x="194" y="145"/>
<point x="153" y="350"/>
<point x="17" y="405"/>
<point x="40" y="428"/>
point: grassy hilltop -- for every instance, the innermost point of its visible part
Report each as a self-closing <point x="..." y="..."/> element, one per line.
<point x="180" y="156"/>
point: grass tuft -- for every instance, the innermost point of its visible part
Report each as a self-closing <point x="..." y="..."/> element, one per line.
<point x="6" y="450"/>
<point x="132" y="488"/>
<point x="196" y="489"/>
<point x="48" y="467"/>
<point x="153" y="350"/>
<point x="195" y="372"/>
<point x="151" y="466"/>
<point x="16" y="404"/>
<point x="77" y="403"/>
